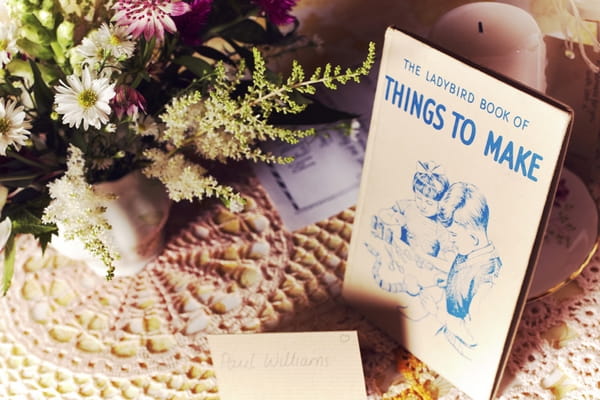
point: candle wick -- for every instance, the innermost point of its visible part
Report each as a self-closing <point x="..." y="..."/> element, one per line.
<point x="480" y="25"/>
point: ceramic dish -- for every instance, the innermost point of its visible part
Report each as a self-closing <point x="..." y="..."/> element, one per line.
<point x="571" y="238"/>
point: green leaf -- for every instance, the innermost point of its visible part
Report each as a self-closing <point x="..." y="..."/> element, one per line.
<point x="196" y="65"/>
<point x="26" y="212"/>
<point x="43" y="94"/>
<point x="246" y="31"/>
<point x="213" y="54"/>
<point x="10" y="252"/>
<point x="35" y="49"/>
<point x="34" y="31"/>
<point x="64" y="34"/>
<point x="20" y="68"/>
<point x="26" y="222"/>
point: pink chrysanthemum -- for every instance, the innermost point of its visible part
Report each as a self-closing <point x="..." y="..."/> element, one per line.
<point x="127" y="101"/>
<point x="278" y="11"/>
<point x="190" y="25"/>
<point x="149" y="17"/>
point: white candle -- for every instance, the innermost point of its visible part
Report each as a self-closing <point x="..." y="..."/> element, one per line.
<point x="501" y="37"/>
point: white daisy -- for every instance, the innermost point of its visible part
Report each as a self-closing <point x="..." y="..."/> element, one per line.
<point x="84" y="99"/>
<point x="13" y="126"/>
<point x="91" y="50"/>
<point x="8" y="42"/>
<point x="147" y="126"/>
<point x="106" y="45"/>
<point x="117" y="41"/>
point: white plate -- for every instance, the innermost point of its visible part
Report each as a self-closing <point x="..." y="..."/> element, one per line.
<point x="571" y="237"/>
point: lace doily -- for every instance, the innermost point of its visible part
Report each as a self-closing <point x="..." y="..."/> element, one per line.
<point x="67" y="333"/>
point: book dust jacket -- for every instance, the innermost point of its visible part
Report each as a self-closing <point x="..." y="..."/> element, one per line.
<point x="460" y="172"/>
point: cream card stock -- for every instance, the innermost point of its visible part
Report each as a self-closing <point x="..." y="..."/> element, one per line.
<point x="291" y="366"/>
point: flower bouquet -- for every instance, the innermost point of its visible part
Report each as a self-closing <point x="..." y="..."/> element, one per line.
<point x="92" y="90"/>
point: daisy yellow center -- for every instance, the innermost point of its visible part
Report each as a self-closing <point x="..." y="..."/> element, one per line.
<point x="3" y="44"/>
<point x="87" y="98"/>
<point x="115" y="40"/>
<point x="4" y="126"/>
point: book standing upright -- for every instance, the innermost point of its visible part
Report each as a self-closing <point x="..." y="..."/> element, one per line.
<point x="460" y="171"/>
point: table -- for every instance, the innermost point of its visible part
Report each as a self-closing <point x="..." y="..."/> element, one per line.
<point x="65" y="332"/>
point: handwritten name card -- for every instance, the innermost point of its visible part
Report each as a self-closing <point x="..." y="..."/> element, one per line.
<point x="293" y="366"/>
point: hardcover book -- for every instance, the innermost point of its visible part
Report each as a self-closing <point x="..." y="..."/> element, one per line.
<point x="460" y="172"/>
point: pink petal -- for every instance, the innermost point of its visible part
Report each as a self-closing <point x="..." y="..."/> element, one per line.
<point x="179" y="8"/>
<point x="169" y="24"/>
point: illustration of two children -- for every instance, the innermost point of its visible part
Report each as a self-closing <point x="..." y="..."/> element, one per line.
<point x="436" y="254"/>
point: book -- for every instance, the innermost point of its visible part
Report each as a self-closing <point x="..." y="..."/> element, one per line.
<point x="460" y="172"/>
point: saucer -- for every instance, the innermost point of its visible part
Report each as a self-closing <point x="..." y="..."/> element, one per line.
<point x="570" y="239"/>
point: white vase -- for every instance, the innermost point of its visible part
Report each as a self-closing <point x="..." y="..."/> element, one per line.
<point x="138" y="216"/>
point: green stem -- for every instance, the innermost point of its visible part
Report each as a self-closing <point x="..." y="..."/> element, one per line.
<point x="27" y="161"/>
<point x="18" y="178"/>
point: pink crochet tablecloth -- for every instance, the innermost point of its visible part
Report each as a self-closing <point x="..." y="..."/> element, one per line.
<point x="67" y="333"/>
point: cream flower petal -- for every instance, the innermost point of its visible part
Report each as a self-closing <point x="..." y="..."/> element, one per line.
<point x="5" y="230"/>
<point x="13" y="126"/>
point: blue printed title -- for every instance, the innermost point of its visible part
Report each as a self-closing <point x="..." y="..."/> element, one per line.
<point x="461" y="127"/>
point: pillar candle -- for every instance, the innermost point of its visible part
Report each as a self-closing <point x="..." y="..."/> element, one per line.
<point x="501" y="37"/>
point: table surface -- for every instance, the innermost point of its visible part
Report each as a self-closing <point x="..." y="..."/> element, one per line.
<point x="65" y="332"/>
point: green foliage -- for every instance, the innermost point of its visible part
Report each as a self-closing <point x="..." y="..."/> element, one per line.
<point x="25" y="212"/>
<point x="226" y="124"/>
<point x="217" y="98"/>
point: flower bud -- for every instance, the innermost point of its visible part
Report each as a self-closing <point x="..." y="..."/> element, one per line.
<point x="64" y="34"/>
<point x="47" y="5"/>
<point x="46" y="18"/>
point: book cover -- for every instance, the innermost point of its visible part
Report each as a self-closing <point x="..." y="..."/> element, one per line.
<point x="460" y="171"/>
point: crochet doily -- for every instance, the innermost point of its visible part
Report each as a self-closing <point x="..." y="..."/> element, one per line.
<point x="66" y="333"/>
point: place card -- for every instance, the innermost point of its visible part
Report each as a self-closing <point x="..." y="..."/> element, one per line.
<point x="291" y="366"/>
<point x="322" y="181"/>
<point x="460" y="172"/>
<point x="324" y="178"/>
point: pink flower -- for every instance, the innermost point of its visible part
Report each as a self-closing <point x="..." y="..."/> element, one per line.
<point x="127" y="101"/>
<point x="278" y="11"/>
<point x="191" y="24"/>
<point x="149" y="17"/>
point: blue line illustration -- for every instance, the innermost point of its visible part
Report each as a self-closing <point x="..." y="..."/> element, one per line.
<point x="433" y="252"/>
